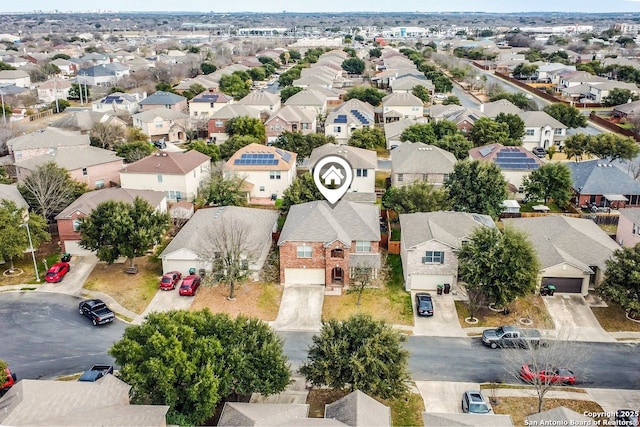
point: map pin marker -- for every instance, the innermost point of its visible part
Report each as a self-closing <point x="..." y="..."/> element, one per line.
<point x="333" y="176"/>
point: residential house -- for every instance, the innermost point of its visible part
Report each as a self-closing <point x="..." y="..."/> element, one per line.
<point x="417" y="161"/>
<point x="547" y="71"/>
<point x="599" y="91"/>
<point x="96" y="167"/>
<point x="598" y="182"/>
<point x="387" y="78"/>
<point x="53" y="89"/>
<point x="44" y="141"/>
<point x="514" y="162"/>
<point x="95" y="58"/>
<point x="98" y="75"/>
<point x="203" y="79"/>
<point x="320" y="244"/>
<point x="314" y="99"/>
<point x="290" y="119"/>
<point x="575" y="78"/>
<point x="66" y="403"/>
<point x="83" y="121"/>
<point x="542" y="130"/>
<point x="69" y="219"/>
<point x="179" y="175"/>
<point x="572" y="252"/>
<point x="406" y="83"/>
<point x="168" y="100"/>
<point x="393" y="131"/>
<point x="203" y="105"/>
<point x="162" y="123"/>
<point x="261" y="101"/>
<point x="267" y="171"/>
<point x="199" y="241"/>
<point x="347" y="118"/>
<point x="119" y="102"/>
<point x="396" y="106"/>
<point x="630" y="110"/>
<point x="19" y="78"/>
<point x="120" y="70"/>
<point x="217" y="126"/>
<point x="464" y="118"/>
<point x="428" y="246"/>
<point x="10" y="192"/>
<point x="628" y="233"/>
<point x="363" y="163"/>
<point x="492" y="109"/>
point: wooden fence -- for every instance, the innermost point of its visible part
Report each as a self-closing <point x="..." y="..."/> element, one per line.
<point x="612" y="126"/>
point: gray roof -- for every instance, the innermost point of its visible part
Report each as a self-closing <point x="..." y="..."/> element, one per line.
<point x="633" y="214"/>
<point x="357" y="409"/>
<point x="318" y="222"/>
<point x="84" y="120"/>
<point x="432" y="419"/>
<point x="557" y="416"/>
<point x="358" y="158"/>
<point x="492" y="109"/>
<point x="401" y="99"/>
<point x="164" y="113"/>
<point x="259" y="97"/>
<point x="418" y="157"/>
<point x="72" y="158"/>
<point x="538" y="119"/>
<point x="395" y="129"/>
<point x="162" y="98"/>
<point x="97" y="71"/>
<point x="10" y="192"/>
<point x="601" y="177"/>
<point x="48" y="138"/>
<point x="238" y="414"/>
<point x="88" y="201"/>
<point x="293" y="114"/>
<point x="450" y="228"/>
<point x="67" y="403"/>
<point x="629" y="108"/>
<point x="561" y="239"/>
<point x="259" y="223"/>
<point x="230" y="111"/>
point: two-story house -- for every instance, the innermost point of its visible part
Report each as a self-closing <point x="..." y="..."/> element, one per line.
<point x="178" y="175"/>
<point x="119" y="102"/>
<point x="162" y="123"/>
<point x="542" y="130"/>
<point x="217" y="125"/>
<point x="45" y="141"/>
<point x="267" y="171"/>
<point x="324" y="245"/>
<point x="347" y="118"/>
<point x="400" y="105"/>
<point x="53" y="89"/>
<point x="168" y="100"/>
<point x="98" y="75"/>
<point x="262" y="101"/>
<point x="417" y="161"/>
<point x="19" y="78"/>
<point x="290" y="119"/>
<point x="203" y="105"/>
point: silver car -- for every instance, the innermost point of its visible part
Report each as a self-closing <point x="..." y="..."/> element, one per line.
<point x="473" y="402"/>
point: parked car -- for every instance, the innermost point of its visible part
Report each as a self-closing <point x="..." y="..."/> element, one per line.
<point x="190" y="285"/>
<point x="424" y="304"/>
<point x="97" y="311"/>
<point x="547" y="376"/>
<point x="511" y="336"/>
<point x="56" y="272"/>
<point x="95" y="373"/>
<point x="9" y="382"/>
<point x="473" y="402"/>
<point x="170" y="280"/>
<point x="539" y="151"/>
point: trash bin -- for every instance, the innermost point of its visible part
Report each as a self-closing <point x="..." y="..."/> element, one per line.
<point x="447" y="288"/>
<point x="192" y="271"/>
<point x="201" y="273"/>
<point x="440" y="289"/>
<point x="66" y="257"/>
<point x="552" y="290"/>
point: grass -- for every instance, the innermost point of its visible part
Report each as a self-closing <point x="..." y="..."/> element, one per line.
<point x="610" y="229"/>
<point x="521" y="407"/>
<point x="253" y="299"/>
<point x="381" y="179"/>
<point x="395" y="234"/>
<point x="133" y="291"/>
<point x="530" y="306"/>
<point x="48" y="251"/>
<point x="613" y="319"/>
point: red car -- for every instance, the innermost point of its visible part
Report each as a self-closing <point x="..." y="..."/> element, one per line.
<point x="57" y="272"/>
<point x="189" y="285"/>
<point x="170" y="280"/>
<point x="547" y="376"/>
<point x="11" y="380"/>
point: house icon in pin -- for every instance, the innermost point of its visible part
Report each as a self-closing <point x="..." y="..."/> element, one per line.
<point x="333" y="176"/>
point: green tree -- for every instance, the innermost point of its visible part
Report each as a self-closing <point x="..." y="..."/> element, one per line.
<point x="516" y="127"/>
<point x="236" y="142"/>
<point x="621" y="283"/>
<point x="191" y="360"/>
<point x="246" y="126"/>
<point x="288" y="92"/>
<point x="287" y="78"/>
<point x="358" y="354"/>
<point x="211" y="150"/>
<point x="416" y="197"/>
<point x="477" y="187"/>
<point x="525" y="70"/>
<point x="370" y="138"/>
<point x="135" y="134"/>
<point x="5" y="66"/>
<point x="207" y="68"/>
<point x="619" y="96"/>
<point x="375" y="52"/>
<point x="115" y="229"/>
<point x="302" y="190"/>
<point x="234" y="85"/>
<point x="568" y="115"/>
<point x="194" y="90"/>
<point x="77" y="92"/>
<point x="518" y="99"/>
<point x="422" y="93"/>
<point x="456" y="144"/>
<point x="301" y="144"/>
<point x="451" y="100"/>
<point x="3" y="372"/>
<point x="257" y="74"/>
<point x="165" y="87"/>
<point x="13" y="236"/>
<point x="59" y="106"/>
<point x="365" y="94"/>
<point x="549" y="181"/>
<point x="420" y="132"/>
<point x="220" y="191"/>
<point x="612" y="146"/>
<point x="503" y="266"/>
<point x="353" y="65"/>
<point x="488" y="131"/>
<point x="575" y="146"/>
<point x="134" y="151"/>
<point x="49" y="189"/>
<point x="60" y="56"/>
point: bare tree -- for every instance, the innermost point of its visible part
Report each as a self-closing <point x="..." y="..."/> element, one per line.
<point x="106" y="136"/>
<point x="7" y="132"/>
<point x="560" y="353"/>
<point x="360" y="279"/>
<point x="476" y="298"/>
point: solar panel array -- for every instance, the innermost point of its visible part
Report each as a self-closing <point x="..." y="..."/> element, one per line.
<point x="112" y="99"/>
<point x="360" y="117"/>
<point x="262" y="159"/>
<point x="512" y="159"/>
<point x="341" y="118"/>
<point x="286" y="156"/>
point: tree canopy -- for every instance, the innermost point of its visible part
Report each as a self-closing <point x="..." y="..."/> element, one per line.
<point x="549" y="181"/>
<point x="619" y="96"/>
<point x="301" y="144"/>
<point x="234" y="85"/>
<point x="288" y="92"/>
<point x="106" y="136"/>
<point x="220" y="191"/>
<point x="365" y="94"/>
<point x="369" y="138"/>
<point x="353" y="65"/>
<point x="134" y="151"/>
<point x="246" y="126"/>
<point x="191" y="360"/>
<point x="488" y="131"/>
<point x="115" y="229"/>
<point x="421" y="92"/>
<point x="211" y="150"/>
<point x="443" y="134"/>
<point x="416" y="197"/>
<point x="302" y="190"/>
<point x="477" y="187"/>
<point x="568" y="115"/>
<point x="236" y="142"/>
<point x="358" y="354"/>
<point x="13" y="236"/>
<point x="608" y="145"/>
<point x="515" y="125"/>
<point x="621" y="283"/>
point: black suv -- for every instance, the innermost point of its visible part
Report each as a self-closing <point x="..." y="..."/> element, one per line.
<point x="539" y="151"/>
<point x="424" y="304"/>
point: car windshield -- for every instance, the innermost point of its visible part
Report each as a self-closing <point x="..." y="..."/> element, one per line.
<point x="51" y="273"/>
<point x="166" y="279"/>
<point x="478" y="407"/>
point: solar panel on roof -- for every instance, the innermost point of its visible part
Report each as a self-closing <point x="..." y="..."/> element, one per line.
<point x="341" y="118"/>
<point x="360" y="117"/>
<point x="286" y="156"/>
<point x="485" y="151"/>
<point x="258" y="159"/>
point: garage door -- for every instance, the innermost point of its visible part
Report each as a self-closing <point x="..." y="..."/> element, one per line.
<point x="180" y="265"/>
<point x="304" y="276"/>
<point x="429" y="282"/>
<point x="564" y="284"/>
<point x="73" y="247"/>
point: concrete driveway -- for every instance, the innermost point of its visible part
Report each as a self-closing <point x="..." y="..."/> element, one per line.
<point x="572" y="315"/>
<point x="443" y="396"/>
<point x="443" y="323"/>
<point x="165" y="301"/>
<point x="73" y="281"/>
<point x="300" y="308"/>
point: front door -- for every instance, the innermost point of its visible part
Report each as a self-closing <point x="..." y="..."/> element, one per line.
<point x="336" y="275"/>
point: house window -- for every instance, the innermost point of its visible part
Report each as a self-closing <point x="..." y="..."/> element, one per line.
<point x="445" y="177"/>
<point x="274" y="175"/>
<point x="174" y="195"/>
<point x="160" y="178"/>
<point x="363" y="246"/>
<point x="76" y="225"/>
<point x="425" y="177"/>
<point x="337" y="129"/>
<point x="362" y="173"/>
<point x="261" y="188"/>
<point x="158" y="125"/>
<point x="557" y="131"/>
<point x="529" y="132"/>
<point x="100" y="183"/>
<point x="219" y="123"/>
<point x="85" y="172"/>
<point x="433" y="257"/>
<point x="304" y="251"/>
<point x="400" y="177"/>
<point x="305" y="125"/>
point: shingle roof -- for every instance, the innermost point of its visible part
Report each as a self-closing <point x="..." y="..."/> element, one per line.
<point x="230" y="111"/>
<point x="306" y="98"/>
<point x="10" y="192"/>
<point x="450" y="228"/>
<point x="401" y="99"/>
<point x="358" y="158"/>
<point x="294" y="114"/>
<point x="239" y="414"/>
<point x="357" y="409"/>
<point x="418" y="157"/>
<point x="163" y="113"/>
<point x="259" y="97"/>
<point x="13" y="74"/>
<point x="169" y="163"/>
<point x="492" y="109"/>
<point x="210" y="96"/>
<point x="285" y="159"/>
<point x="87" y="202"/>
<point x="539" y="119"/>
<point x="633" y="214"/>
<point x="97" y="71"/>
<point x="601" y="177"/>
<point x="162" y="98"/>
<point x="72" y="158"/>
<point x="84" y="120"/>
<point x="433" y="419"/>
<point x="557" y="239"/>
<point x="48" y="138"/>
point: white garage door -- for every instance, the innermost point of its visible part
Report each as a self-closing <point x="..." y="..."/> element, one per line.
<point x="429" y="282"/>
<point x="73" y="247"/>
<point x="304" y="276"/>
<point x="182" y="265"/>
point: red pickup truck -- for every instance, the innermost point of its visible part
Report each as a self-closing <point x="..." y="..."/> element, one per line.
<point x="11" y="380"/>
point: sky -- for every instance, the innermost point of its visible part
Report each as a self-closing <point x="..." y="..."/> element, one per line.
<point x="507" y="6"/>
